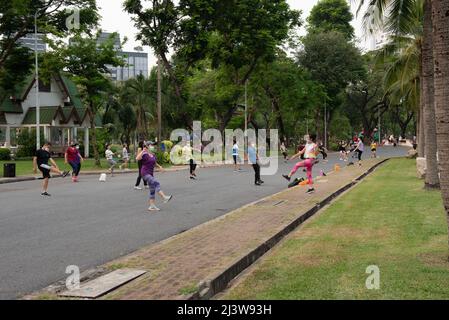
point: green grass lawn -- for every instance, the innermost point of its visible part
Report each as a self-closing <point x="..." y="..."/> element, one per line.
<point x="388" y="220"/>
<point x="25" y="167"/>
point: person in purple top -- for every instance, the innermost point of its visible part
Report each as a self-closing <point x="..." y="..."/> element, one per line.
<point x="149" y="161"/>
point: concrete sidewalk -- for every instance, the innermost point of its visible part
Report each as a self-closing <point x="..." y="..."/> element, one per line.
<point x="199" y="263"/>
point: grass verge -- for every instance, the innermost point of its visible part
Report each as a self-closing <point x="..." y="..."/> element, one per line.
<point x="388" y="221"/>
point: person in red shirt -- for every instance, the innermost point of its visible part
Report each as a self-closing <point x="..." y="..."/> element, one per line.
<point x="74" y="159"/>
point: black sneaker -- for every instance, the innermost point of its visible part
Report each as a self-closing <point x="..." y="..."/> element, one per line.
<point x="192" y="177"/>
<point x="45" y="194"/>
<point x="286" y="177"/>
<point x="261" y="181"/>
<point x="65" y="174"/>
<point x="258" y="183"/>
<point x="310" y="191"/>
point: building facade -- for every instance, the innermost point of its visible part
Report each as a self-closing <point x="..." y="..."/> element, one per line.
<point x="29" y="42"/>
<point x="63" y="117"/>
<point x="136" y="62"/>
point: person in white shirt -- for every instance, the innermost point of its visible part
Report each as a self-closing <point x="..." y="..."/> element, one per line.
<point x="187" y="153"/>
<point x="110" y="159"/>
<point x="125" y="157"/>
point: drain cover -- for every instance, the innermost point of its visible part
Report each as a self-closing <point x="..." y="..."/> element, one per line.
<point x="104" y="284"/>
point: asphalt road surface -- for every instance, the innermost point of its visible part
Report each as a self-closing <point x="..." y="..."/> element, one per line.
<point x="90" y="223"/>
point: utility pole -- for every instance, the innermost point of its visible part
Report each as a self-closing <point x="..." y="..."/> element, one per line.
<point x="38" y="119"/>
<point x="159" y="102"/>
<point x="378" y="125"/>
<point x="246" y="106"/>
<point x="325" y="125"/>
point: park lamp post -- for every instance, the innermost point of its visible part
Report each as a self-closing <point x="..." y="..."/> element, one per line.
<point x="38" y="136"/>
<point x="246" y="113"/>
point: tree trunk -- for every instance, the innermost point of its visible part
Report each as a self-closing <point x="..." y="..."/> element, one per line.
<point x="432" y="180"/>
<point x="421" y="132"/>
<point x="440" y="19"/>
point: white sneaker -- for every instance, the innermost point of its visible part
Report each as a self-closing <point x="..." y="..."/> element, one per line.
<point x="137" y="188"/>
<point x="167" y="199"/>
<point x="153" y="208"/>
<point x="147" y="187"/>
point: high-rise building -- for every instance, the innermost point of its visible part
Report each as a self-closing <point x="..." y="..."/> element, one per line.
<point x="29" y="42"/>
<point x="135" y="62"/>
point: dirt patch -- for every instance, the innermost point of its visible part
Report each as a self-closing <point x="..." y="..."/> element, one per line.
<point x="438" y="260"/>
<point x="342" y="232"/>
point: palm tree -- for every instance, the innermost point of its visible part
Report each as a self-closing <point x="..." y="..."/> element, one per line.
<point x="408" y="19"/>
<point x="137" y="93"/>
<point x="441" y="82"/>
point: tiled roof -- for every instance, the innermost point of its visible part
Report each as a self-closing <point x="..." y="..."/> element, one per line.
<point x="47" y="115"/>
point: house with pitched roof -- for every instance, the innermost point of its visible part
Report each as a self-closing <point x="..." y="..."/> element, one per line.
<point x="63" y="116"/>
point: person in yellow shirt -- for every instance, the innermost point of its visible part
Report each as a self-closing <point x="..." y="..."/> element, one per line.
<point x="374" y="149"/>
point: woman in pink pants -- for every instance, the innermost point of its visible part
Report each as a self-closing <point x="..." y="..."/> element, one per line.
<point x="310" y="152"/>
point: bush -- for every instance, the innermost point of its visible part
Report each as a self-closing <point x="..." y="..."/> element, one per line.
<point x="27" y="143"/>
<point x="163" y="157"/>
<point x="5" y="154"/>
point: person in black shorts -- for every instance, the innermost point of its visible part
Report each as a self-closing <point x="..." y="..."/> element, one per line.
<point x="40" y="160"/>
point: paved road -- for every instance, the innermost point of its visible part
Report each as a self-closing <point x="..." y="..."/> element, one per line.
<point x="90" y="223"/>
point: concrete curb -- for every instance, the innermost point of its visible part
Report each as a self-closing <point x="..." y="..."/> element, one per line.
<point x="219" y="282"/>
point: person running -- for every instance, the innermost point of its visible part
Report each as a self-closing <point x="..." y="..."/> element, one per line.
<point x="110" y="159"/>
<point x="235" y="156"/>
<point x="139" y="164"/>
<point x="125" y="157"/>
<point x="310" y="152"/>
<point x="284" y="151"/>
<point x="187" y="153"/>
<point x="360" y="147"/>
<point x="149" y="161"/>
<point x="73" y="157"/>
<point x="253" y="158"/>
<point x="374" y="149"/>
<point x="40" y="160"/>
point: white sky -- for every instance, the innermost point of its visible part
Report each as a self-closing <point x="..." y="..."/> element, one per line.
<point x="115" y="19"/>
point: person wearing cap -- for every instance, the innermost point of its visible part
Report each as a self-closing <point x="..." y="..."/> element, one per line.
<point x="74" y="159"/>
<point x="149" y="161"/>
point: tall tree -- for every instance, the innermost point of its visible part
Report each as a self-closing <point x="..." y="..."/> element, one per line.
<point x="332" y="15"/>
<point x="137" y="94"/>
<point x="432" y="180"/>
<point x="412" y="19"/>
<point x="87" y="60"/>
<point x="440" y="21"/>
<point x="17" y="19"/>
<point x="334" y="63"/>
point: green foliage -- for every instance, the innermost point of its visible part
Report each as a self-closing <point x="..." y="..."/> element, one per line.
<point x="168" y="144"/>
<point x="331" y="15"/>
<point x="5" y="154"/>
<point x="332" y="61"/>
<point x="17" y="19"/>
<point x="163" y="157"/>
<point x="340" y="128"/>
<point x="27" y="143"/>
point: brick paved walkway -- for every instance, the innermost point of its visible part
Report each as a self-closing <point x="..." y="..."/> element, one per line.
<point x="175" y="266"/>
